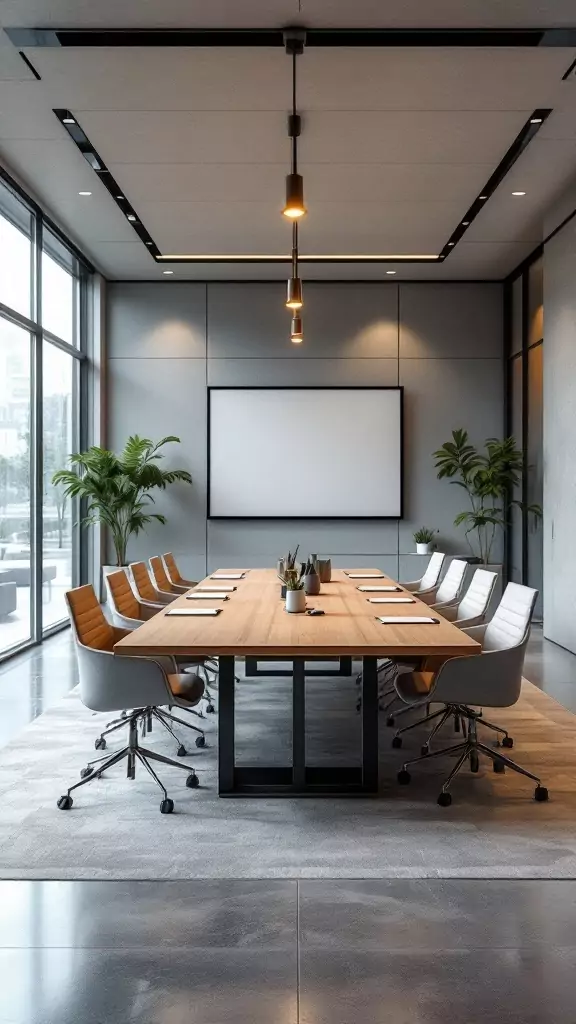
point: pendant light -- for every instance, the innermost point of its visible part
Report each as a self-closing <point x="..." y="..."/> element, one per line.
<point x="294" y="39"/>
<point x="296" y="333"/>
<point x="294" y="295"/>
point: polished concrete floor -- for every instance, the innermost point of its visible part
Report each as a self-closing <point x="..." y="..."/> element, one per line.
<point x="286" y="952"/>
<point x="267" y="952"/>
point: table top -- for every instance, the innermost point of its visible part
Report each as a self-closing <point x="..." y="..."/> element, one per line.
<point x="254" y="622"/>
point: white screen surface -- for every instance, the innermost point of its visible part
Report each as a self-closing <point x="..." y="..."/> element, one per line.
<point x="305" y="452"/>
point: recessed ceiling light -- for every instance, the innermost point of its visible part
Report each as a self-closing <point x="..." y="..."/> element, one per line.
<point x="131" y="216"/>
<point x="518" y="193"/>
<point x="535" y="120"/>
<point x="390" y="271"/>
<point x="119" y="197"/>
<point x="450" y="243"/>
<point x="84" y="193"/>
<point x="68" y="120"/>
<point x="149" y="243"/>
<point x="167" y="271"/>
<point x="482" y="197"/>
<point x="465" y="223"/>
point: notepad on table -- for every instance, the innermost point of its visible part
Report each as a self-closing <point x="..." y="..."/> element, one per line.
<point x="216" y="590"/>
<point x="365" y="576"/>
<point x="407" y="620"/>
<point x="213" y="596"/>
<point x="194" y="611"/>
<point x="227" y="576"/>
<point x="391" y="600"/>
<point x="389" y="589"/>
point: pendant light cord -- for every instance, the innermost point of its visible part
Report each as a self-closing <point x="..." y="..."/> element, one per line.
<point x="294" y="136"/>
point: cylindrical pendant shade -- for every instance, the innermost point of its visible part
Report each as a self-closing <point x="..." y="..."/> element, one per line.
<point x="296" y="334"/>
<point x="294" y="296"/>
<point x="294" y="196"/>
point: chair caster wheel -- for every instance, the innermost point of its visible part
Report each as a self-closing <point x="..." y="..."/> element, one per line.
<point x="167" y="806"/>
<point x="390" y="720"/>
<point x="85" y="772"/>
<point x="200" y="741"/>
<point x="192" y="781"/>
<point x="540" y="794"/>
<point x="396" y="742"/>
<point x="181" y="752"/>
<point x="210" y="709"/>
<point x="404" y="777"/>
<point x="507" y="741"/>
<point x="499" y="767"/>
<point x="444" y="799"/>
<point x="424" y="749"/>
<point x="100" y="743"/>
<point x="65" y="803"/>
<point x="474" y="763"/>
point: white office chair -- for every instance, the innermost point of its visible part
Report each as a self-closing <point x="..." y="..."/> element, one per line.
<point x="490" y="679"/>
<point x="473" y="608"/>
<point x="450" y="588"/>
<point x="430" y="578"/>
<point x="139" y="686"/>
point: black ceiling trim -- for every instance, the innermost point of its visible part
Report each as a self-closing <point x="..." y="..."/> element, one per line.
<point x="570" y="72"/>
<point x="494" y="37"/>
<point x="525" y="135"/>
<point x="81" y="140"/>
<point x="30" y="66"/>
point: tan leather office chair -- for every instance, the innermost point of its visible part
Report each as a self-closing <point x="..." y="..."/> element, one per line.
<point x="161" y="579"/>
<point x="144" y="587"/>
<point x="138" y="686"/>
<point x="173" y="572"/>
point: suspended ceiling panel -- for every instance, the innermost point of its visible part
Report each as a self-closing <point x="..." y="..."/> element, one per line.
<point x="396" y="143"/>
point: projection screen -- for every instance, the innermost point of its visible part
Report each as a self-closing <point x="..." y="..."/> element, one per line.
<point x="304" y="453"/>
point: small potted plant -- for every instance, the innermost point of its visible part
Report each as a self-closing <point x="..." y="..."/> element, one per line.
<point x="295" y="596"/>
<point x="423" y="538"/>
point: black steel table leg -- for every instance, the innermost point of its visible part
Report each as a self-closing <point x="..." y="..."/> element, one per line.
<point x="345" y="665"/>
<point x="251" y="666"/>
<point x="299" y="724"/>
<point x="370" y="725"/>
<point x="226" y="684"/>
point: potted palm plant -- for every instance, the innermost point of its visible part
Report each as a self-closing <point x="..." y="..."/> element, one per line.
<point x="117" y="489"/>
<point x="489" y="479"/>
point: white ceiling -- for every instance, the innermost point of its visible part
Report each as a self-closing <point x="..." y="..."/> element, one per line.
<point x="396" y="143"/>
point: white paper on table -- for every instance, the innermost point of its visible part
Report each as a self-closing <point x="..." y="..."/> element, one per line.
<point x="194" y="611"/>
<point x="228" y="576"/>
<point x="391" y="600"/>
<point x="217" y="590"/>
<point x="407" y="620"/>
<point x="389" y="589"/>
<point x="213" y="596"/>
<point x="365" y="576"/>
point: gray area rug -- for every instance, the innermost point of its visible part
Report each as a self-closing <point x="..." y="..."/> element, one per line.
<point x="493" y="829"/>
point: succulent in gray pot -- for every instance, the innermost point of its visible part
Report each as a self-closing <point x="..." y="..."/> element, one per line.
<point x="311" y="578"/>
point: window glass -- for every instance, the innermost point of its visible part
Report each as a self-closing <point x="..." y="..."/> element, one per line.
<point x="59" y="401"/>
<point x="15" y="526"/>
<point x="15" y="261"/>
<point x="58" y="299"/>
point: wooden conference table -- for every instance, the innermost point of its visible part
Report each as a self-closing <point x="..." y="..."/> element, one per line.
<point x="254" y="625"/>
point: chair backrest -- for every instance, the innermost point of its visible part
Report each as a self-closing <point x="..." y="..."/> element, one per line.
<point x="451" y="585"/>
<point x="160" y="577"/>
<point x="474" y="604"/>
<point x="433" y="570"/>
<point x="143" y="584"/>
<point x="121" y="596"/>
<point x="171" y="567"/>
<point x="90" y="626"/>
<point x="510" y="623"/>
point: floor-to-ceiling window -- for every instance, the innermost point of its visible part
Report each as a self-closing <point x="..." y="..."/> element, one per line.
<point x="524" y="393"/>
<point x="43" y="284"/>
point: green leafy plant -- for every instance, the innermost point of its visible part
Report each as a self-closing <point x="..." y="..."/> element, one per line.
<point x="291" y="579"/>
<point x="489" y="479"/>
<point x="117" y="489"/>
<point x="290" y="559"/>
<point x="424" y="535"/>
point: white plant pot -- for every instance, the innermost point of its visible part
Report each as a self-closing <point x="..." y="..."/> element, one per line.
<point x="295" y="601"/>
<point x="423" y="549"/>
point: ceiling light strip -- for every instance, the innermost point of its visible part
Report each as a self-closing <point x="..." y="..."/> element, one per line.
<point x="93" y="158"/>
<point x="531" y="128"/>
<point x="302" y="258"/>
<point x="341" y="37"/>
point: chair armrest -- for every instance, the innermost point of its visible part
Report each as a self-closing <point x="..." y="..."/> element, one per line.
<point x="411" y="587"/>
<point x="490" y="679"/>
<point x="476" y="632"/>
<point x="441" y="606"/>
<point x="125" y="622"/>
<point x="448" y="611"/>
<point x="467" y="624"/>
<point x="120" y="633"/>
<point x="147" y="610"/>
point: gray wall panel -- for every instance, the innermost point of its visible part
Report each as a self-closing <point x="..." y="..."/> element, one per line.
<point x="250" y="320"/>
<point x="162" y="320"/>
<point x="456" y="321"/>
<point x="441" y="394"/>
<point x="155" y="397"/>
<point x="351" y="339"/>
<point x="296" y="372"/>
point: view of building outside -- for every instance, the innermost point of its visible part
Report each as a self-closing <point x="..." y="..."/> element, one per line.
<point x="56" y="436"/>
